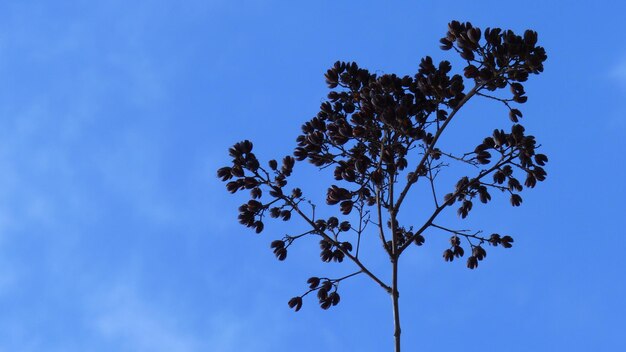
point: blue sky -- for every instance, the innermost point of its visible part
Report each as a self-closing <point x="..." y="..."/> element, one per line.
<point x="115" y="234"/>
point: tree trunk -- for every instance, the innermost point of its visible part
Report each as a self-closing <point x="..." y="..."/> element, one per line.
<point x="396" y="310"/>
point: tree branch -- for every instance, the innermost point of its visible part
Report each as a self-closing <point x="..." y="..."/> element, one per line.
<point x="328" y="238"/>
<point x="404" y="192"/>
<point x="441" y="207"/>
<point x="381" y="231"/>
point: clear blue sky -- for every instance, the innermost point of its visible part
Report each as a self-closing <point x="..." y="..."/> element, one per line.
<point x="115" y="234"/>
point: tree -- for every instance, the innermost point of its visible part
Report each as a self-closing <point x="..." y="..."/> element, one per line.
<point x="380" y="135"/>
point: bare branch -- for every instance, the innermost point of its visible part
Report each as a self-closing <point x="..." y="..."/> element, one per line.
<point x="331" y="240"/>
<point x="420" y="165"/>
<point x="441" y="207"/>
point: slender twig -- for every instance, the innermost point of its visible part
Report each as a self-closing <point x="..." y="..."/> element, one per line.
<point x="504" y="101"/>
<point x="321" y="232"/>
<point x="467" y="97"/>
<point x="432" y="182"/>
<point x="381" y="231"/>
<point x="462" y="189"/>
<point x="290" y="238"/>
<point x="360" y="229"/>
<point x="462" y="159"/>
<point x="333" y="281"/>
<point x="349" y="276"/>
<point x="461" y="232"/>
<point x="347" y="254"/>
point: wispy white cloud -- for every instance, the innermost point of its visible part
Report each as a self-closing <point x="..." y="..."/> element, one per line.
<point x="618" y="71"/>
<point x="64" y="153"/>
<point x="127" y="322"/>
<point x="126" y="317"/>
<point x="617" y="74"/>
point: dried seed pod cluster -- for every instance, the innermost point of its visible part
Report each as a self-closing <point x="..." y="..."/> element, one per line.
<point x="378" y="133"/>
<point x="327" y="294"/>
<point x="478" y="252"/>
<point x="517" y="150"/>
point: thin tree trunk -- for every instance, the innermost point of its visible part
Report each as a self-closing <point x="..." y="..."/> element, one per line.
<point x="396" y="309"/>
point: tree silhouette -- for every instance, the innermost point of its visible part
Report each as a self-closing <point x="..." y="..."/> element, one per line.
<point x="380" y="134"/>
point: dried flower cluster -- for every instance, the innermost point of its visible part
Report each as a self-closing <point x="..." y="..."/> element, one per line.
<point x="379" y="135"/>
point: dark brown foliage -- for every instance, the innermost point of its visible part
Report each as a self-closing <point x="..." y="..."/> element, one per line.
<point x="372" y="128"/>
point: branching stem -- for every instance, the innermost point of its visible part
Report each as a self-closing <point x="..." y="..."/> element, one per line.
<point x="420" y="165"/>
<point x="440" y="208"/>
<point x="356" y="261"/>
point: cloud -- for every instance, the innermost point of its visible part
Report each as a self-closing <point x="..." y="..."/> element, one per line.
<point x="125" y="317"/>
<point x="126" y="321"/>
<point x="618" y="72"/>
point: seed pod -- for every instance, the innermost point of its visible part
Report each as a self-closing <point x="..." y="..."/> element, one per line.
<point x="541" y="159"/>
<point x="464" y="210"/>
<point x="295" y="303"/>
<point x="322" y="293"/>
<point x="479" y="252"/>
<point x="281" y="253"/>
<point x="499" y="177"/>
<point x="470" y="71"/>
<point x="326" y="255"/>
<point x="313" y="282"/>
<point x="467" y="54"/>
<point x="531" y="181"/>
<point x="300" y="153"/>
<point x="334" y="298"/>
<point x="224" y="173"/>
<point x="338" y="255"/>
<point x="277" y="244"/>
<point x="506" y="241"/>
<point x="320" y="225"/>
<point x="472" y="262"/>
<point x="256" y="193"/>
<point x="332" y="222"/>
<point x="250" y="182"/>
<point x="458" y="251"/>
<point x="254" y="205"/>
<point x="258" y="226"/>
<point x="244" y="147"/>
<point x="484" y="195"/>
<point x="332" y="79"/>
<point x="483" y="157"/>
<point x="539" y="173"/>
<point x="237" y="171"/>
<point x="449" y="199"/>
<point x="514" y="184"/>
<point x="521" y="99"/>
<point x="325" y="304"/>
<point x="530" y="38"/>
<point x="445" y="44"/>
<point x="494" y="240"/>
<point x="346" y="207"/>
<point x="232" y="186"/>
<point x="516" y="200"/>
<point x="473" y="34"/>
<point x="514" y="114"/>
<point x="419" y="240"/>
<point x="286" y="215"/>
